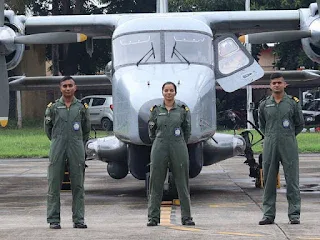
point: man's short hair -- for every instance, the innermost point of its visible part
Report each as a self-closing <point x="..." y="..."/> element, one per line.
<point x="276" y="75"/>
<point x="65" y="78"/>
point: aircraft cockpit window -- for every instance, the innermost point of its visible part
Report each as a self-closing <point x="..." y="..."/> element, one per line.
<point x="230" y="56"/>
<point x="188" y="47"/>
<point x="141" y="48"/>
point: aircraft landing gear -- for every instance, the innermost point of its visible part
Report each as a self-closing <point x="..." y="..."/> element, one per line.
<point x="169" y="190"/>
<point x="255" y="169"/>
<point x="66" y="183"/>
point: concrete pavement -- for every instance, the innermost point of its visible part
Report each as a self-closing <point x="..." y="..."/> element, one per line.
<point x="225" y="205"/>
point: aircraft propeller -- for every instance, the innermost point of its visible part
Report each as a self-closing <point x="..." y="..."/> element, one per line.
<point x="8" y="39"/>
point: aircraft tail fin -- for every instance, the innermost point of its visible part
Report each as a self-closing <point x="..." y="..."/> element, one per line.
<point x="162" y="6"/>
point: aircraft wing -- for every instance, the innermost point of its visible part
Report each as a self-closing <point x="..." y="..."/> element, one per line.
<point x="251" y="21"/>
<point x="52" y="82"/>
<point x="303" y="78"/>
<point x="103" y="25"/>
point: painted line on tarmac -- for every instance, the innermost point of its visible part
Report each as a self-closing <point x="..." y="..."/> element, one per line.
<point x="241" y="234"/>
<point x="227" y="205"/>
<point x="309" y="238"/>
<point x="169" y="219"/>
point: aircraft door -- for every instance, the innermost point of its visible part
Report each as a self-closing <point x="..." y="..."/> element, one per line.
<point x="234" y="67"/>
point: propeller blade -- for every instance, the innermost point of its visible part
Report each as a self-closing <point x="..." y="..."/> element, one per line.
<point x="51" y="38"/>
<point x="1" y="13"/>
<point x="4" y="94"/>
<point x="274" y="37"/>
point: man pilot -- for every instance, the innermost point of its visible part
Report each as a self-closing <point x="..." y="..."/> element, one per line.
<point x="67" y="125"/>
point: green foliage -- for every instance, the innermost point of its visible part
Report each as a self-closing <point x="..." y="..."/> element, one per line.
<point x="205" y="5"/>
<point x="130" y="6"/>
<point x="29" y="141"/>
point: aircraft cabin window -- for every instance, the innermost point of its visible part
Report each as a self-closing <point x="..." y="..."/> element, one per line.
<point x="188" y="47"/>
<point x="138" y="48"/>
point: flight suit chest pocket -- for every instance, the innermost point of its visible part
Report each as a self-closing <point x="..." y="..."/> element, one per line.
<point x="175" y="118"/>
<point x="271" y="110"/>
<point x="162" y="118"/>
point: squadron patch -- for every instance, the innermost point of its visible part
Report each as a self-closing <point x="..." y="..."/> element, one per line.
<point x="177" y="132"/>
<point x="151" y="124"/>
<point x="285" y="123"/>
<point x="76" y="126"/>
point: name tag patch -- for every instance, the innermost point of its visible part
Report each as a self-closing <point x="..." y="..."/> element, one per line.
<point x="76" y="126"/>
<point x="285" y="123"/>
<point x="270" y="105"/>
<point x="177" y="132"/>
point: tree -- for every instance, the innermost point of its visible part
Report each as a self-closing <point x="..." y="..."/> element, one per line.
<point x="290" y="54"/>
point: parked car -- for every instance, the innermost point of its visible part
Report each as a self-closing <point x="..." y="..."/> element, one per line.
<point x="311" y="112"/>
<point x="101" y="110"/>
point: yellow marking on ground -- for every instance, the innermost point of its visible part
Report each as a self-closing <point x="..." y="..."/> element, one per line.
<point x="228" y="205"/>
<point x="241" y="234"/>
<point x="191" y="229"/>
<point x="176" y="202"/>
<point x="165" y="210"/>
<point x="309" y="238"/>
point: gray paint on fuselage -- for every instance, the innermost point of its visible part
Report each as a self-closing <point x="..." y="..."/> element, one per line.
<point x="137" y="85"/>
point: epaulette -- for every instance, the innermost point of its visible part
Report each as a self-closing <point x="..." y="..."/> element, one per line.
<point x="151" y="109"/>
<point x="49" y="105"/>
<point x="295" y="99"/>
<point x="185" y="107"/>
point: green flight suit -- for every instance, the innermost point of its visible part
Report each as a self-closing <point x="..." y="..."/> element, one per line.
<point x="68" y="129"/>
<point x="280" y="123"/>
<point x="169" y="131"/>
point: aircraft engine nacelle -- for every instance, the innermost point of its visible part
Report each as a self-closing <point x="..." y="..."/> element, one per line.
<point x="111" y="150"/>
<point x="13" y="26"/>
<point x="310" y="21"/>
<point x="221" y="147"/>
<point x="117" y="170"/>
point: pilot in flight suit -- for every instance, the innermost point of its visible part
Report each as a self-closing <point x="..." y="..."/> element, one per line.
<point x="68" y="128"/>
<point x="280" y="122"/>
<point x="169" y="131"/>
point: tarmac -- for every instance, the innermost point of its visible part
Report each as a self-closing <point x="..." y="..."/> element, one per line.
<point x="225" y="205"/>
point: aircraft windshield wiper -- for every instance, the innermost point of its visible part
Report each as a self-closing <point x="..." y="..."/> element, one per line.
<point x="152" y="54"/>
<point x="175" y="51"/>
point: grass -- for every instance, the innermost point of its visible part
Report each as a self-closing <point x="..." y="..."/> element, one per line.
<point x="307" y="142"/>
<point x="31" y="141"/>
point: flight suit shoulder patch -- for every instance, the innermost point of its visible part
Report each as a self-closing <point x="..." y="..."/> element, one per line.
<point x="185" y="108"/>
<point x="295" y="99"/>
<point x="85" y="105"/>
<point x="153" y="107"/>
<point x="49" y="105"/>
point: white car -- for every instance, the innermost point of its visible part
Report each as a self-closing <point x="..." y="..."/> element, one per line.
<point x="101" y="110"/>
